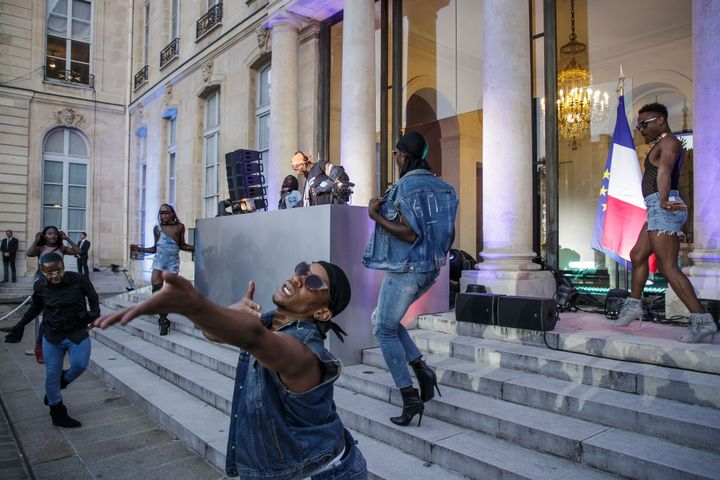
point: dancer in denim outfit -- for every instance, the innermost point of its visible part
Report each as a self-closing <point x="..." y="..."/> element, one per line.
<point x="283" y="423"/>
<point x="169" y="240"/>
<point x="414" y="229"/>
<point x="666" y="215"/>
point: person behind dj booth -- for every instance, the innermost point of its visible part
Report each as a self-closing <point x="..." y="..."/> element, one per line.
<point x="290" y="197"/>
<point x="318" y="188"/>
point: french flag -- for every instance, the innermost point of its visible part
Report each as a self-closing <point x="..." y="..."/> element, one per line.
<point x="621" y="209"/>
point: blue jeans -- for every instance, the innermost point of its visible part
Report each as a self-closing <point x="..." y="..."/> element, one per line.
<point x="54" y="354"/>
<point x="397" y="293"/>
<point x="352" y="467"/>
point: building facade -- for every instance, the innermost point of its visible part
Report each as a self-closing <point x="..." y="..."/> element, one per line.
<point x="341" y="79"/>
<point x="63" y="97"/>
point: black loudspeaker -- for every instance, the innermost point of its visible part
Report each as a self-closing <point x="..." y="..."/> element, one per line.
<point x="476" y="308"/>
<point x="528" y="313"/>
<point x="244" y="174"/>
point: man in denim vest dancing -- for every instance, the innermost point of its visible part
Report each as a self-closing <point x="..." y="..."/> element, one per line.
<point x="414" y="229"/>
<point x="283" y="423"/>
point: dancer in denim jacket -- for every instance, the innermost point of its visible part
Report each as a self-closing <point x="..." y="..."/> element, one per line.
<point x="283" y="424"/>
<point x="414" y="229"/>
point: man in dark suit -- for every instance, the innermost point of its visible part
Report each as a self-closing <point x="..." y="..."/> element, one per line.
<point x="82" y="257"/>
<point x="9" y="248"/>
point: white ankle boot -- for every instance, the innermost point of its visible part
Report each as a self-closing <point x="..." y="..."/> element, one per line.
<point x="631" y="310"/>
<point x="701" y="325"/>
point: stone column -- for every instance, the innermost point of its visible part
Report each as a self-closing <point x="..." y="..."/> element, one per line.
<point x="705" y="272"/>
<point x="357" y="117"/>
<point x="283" y="103"/>
<point x="507" y="157"/>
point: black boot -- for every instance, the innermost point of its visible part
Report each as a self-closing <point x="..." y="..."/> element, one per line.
<point x="60" y="417"/>
<point x="63" y="385"/>
<point x="164" y="325"/>
<point x="412" y="405"/>
<point x="426" y="379"/>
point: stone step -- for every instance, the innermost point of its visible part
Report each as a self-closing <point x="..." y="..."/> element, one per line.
<point x="600" y="342"/>
<point x="204" y="428"/>
<point x="209" y="386"/>
<point x="468" y="452"/>
<point x="670" y="383"/>
<point x="540" y="430"/>
<point x="689" y="425"/>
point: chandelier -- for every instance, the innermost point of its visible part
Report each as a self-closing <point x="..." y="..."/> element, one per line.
<point x="578" y="104"/>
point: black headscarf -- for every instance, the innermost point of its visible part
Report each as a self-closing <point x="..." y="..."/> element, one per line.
<point x="415" y="148"/>
<point x="340" y="294"/>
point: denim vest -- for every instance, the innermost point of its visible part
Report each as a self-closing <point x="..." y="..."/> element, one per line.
<point x="429" y="206"/>
<point x="278" y="434"/>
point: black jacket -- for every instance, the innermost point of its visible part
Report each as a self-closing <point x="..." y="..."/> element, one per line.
<point x="65" y="313"/>
<point x="84" y="249"/>
<point x="9" y="245"/>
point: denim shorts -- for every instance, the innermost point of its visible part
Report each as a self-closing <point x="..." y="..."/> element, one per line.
<point x="665" y="221"/>
<point x="166" y="262"/>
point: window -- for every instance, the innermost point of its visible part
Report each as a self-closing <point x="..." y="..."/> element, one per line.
<point x="146" y="33"/>
<point x="211" y="137"/>
<point x="172" y="150"/>
<point x="68" y="31"/>
<point x="262" y="110"/>
<point x="143" y="189"/>
<point x="212" y="3"/>
<point x="175" y="20"/>
<point x="64" y="195"/>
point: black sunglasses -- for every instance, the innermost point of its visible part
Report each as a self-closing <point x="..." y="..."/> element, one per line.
<point x="312" y="281"/>
<point x="644" y="124"/>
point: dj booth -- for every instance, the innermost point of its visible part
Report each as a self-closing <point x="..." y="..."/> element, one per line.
<point x="265" y="247"/>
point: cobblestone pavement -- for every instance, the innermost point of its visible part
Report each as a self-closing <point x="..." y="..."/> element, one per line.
<point x="116" y="440"/>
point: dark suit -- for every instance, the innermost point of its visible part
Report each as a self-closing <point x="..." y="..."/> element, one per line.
<point x="82" y="258"/>
<point x="9" y="245"/>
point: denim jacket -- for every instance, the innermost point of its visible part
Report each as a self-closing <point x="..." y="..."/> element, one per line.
<point x="278" y="434"/>
<point x="429" y="206"/>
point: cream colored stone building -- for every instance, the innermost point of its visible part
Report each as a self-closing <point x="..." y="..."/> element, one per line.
<point x="341" y="79"/>
<point x="63" y="96"/>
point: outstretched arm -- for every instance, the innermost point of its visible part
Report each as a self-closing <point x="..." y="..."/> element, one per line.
<point x="140" y="248"/>
<point x="184" y="246"/>
<point x="238" y="325"/>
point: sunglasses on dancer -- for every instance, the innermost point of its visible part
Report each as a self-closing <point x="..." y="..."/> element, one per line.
<point x="312" y="281"/>
<point x="644" y="124"/>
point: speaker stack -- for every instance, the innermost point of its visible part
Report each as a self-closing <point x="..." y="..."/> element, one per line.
<point x="528" y="313"/>
<point x="245" y="177"/>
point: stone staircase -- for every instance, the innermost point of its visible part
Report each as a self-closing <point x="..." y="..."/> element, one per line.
<point x="510" y="407"/>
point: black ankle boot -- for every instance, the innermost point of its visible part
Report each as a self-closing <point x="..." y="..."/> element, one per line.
<point x="164" y="325"/>
<point x="60" y="417"/>
<point x="412" y="405"/>
<point x="426" y="379"/>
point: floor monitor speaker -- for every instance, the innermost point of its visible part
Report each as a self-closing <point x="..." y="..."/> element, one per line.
<point x="528" y="313"/>
<point x="476" y="308"/>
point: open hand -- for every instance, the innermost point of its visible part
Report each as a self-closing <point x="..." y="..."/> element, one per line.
<point x="177" y="296"/>
<point x="247" y="304"/>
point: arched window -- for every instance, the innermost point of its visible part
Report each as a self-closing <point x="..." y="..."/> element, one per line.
<point x="64" y="195"/>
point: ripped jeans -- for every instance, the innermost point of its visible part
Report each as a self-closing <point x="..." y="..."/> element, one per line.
<point x="665" y="221"/>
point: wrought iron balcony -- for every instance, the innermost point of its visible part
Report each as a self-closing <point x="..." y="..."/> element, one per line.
<point x="170" y="52"/>
<point x="140" y="77"/>
<point x="209" y="21"/>
<point x="71" y="77"/>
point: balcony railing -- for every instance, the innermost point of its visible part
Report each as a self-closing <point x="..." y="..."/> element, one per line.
<point x="71" y="77"/>
<point x="209" y="21"/>
<point x="170" y="52"/>
<point x="140" y="77"/>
